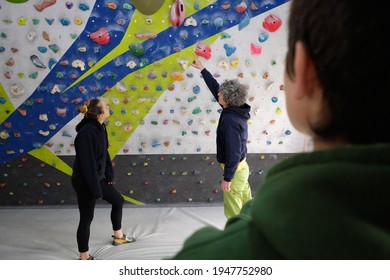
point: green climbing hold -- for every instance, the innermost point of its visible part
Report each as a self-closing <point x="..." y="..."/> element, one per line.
<point x="144" y="62"/>
<point x="225" y="35"/>
<point x="192" y="98"/>
<point x="29" y="102"/>
<point x="99" y="76"/>
<point x="137" y="49"/>
<point x="197" y="110"/>
<point x="33" y="75"/>
<point x="127" y="7"/>
<point x="17" y="1"/>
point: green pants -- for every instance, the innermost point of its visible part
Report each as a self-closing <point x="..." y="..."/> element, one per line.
<point x="240" y="191"/>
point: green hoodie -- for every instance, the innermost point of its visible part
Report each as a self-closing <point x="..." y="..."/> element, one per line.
<point x="331" y="204"/>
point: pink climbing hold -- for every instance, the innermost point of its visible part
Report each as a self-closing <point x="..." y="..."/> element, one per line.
<point x="43" y="4"/>
<point x="178" y="13"/>
<point x="272" y="23"/>
<point x="102" y="37"/>
<point x="145" y="35"/>
<point x="203" y="50"/>
<point x="255" y="49"/>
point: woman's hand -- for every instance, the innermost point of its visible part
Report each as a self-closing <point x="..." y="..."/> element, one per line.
<point x="197" y="64"/>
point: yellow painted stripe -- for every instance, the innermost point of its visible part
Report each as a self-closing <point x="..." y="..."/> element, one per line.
<point x="7" y="106"/>
<point x="128" y="199"/>
<point x="48" y="157"/>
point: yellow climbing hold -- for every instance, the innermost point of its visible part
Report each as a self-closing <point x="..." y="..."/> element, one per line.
<point x="78" y="21"/>
<point x="234" y="63"/>
<point x="22" y="21"/>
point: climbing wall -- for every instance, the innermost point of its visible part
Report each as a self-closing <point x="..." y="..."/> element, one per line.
<point x="54" y="55"/>
<point x="141" y="179"/>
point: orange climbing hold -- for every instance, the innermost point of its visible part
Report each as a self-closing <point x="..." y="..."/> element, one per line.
<point x="46" y="36"/>
<point x="253" y="6"/>
<point x="177" y="76"/>
<point x="112" y="6"/>
<point x="10" y="62"/>
<point x="240" y="8"/>
<point x="22" y="112"/>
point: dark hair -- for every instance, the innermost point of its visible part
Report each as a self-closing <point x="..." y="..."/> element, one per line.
<point x="91" y="109"/>
<point x="346" y="40"/>
<point x="234" y="93"/>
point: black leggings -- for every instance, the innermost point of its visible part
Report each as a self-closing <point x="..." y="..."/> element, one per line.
<point x="86" y="203"/>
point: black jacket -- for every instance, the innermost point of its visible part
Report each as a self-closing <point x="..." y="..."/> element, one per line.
<point x="93" y="162"/>
<point x="232" y="131"/>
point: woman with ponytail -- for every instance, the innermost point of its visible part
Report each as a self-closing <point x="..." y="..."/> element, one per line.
<point x="93" y="175"/>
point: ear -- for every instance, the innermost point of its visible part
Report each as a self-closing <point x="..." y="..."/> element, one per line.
<point x="305" y="73"/>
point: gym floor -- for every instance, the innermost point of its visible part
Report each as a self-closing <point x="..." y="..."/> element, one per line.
<point x="37" y="233"/>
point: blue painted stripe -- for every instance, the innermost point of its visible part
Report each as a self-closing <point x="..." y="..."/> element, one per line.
<point x="166" y="43"/>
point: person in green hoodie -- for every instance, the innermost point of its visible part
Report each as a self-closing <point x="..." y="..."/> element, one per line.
<point x="332" y="202"/>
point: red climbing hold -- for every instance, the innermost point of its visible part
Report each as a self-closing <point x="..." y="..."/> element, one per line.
<point x="272" y="23"/>
<point x="102" y="37"/>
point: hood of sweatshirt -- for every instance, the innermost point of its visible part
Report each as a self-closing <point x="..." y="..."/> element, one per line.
<point x="331" y="204"/>
<point x="242" y="111"/>
<point x="85" y="121"/>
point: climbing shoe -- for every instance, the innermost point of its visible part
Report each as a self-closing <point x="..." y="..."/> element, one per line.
<point x="123" y="240"/>
<point x="90" y="258"/>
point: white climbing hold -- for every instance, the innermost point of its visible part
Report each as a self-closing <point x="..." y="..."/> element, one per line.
<point x="44" y="133"/>
<point x="223" y="64"/>
<point x="190" y="21"/>
<point x="55" y="89"/>
<point x="131" y="64"/>
<point x="121" y="87"/>
<point x="183" y="63"/>
<point x="79" y="64"/>
<point x="17" y="90"/>
<point x="31" y="36"/>
<point x="43" y="117"/>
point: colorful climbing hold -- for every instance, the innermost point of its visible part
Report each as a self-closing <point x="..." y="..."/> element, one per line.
<point x="101" y="37"/>
<point x="272" y="23"/>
